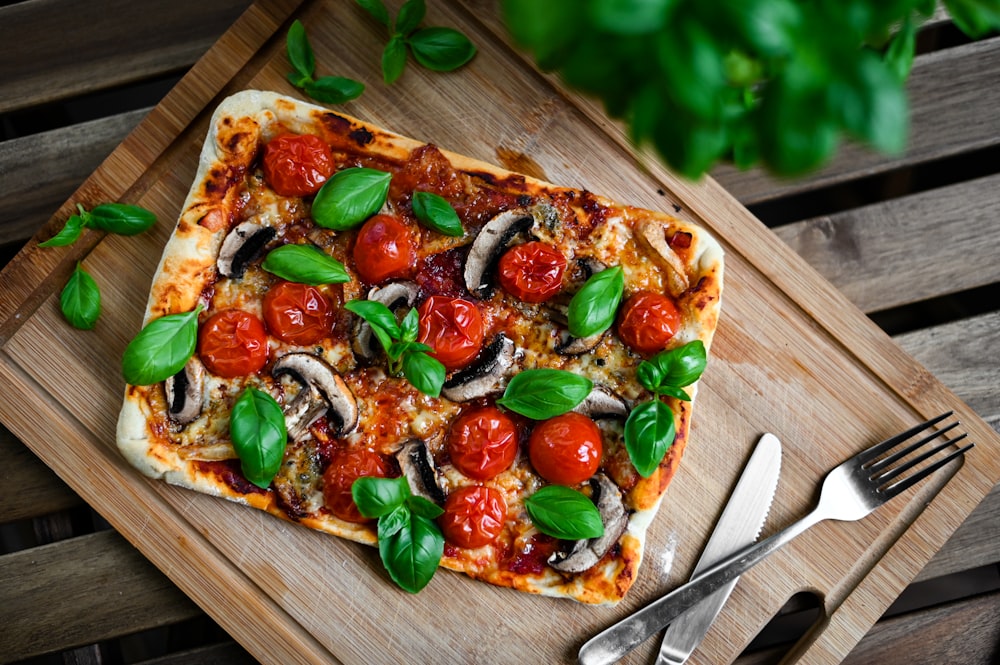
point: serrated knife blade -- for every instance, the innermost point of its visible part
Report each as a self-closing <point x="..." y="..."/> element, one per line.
<point x="740" y="524"/>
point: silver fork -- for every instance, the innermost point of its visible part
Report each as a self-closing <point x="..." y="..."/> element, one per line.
<point x="850" y="491"/>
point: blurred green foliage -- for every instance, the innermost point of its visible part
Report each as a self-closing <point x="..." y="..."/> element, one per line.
<point x="770" y="82"/>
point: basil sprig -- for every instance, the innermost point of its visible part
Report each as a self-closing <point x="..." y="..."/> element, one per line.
<point x="436" y="213"/>
<point x="350" y="197"/>
<point x="80" y="300"/>
<point x="545" y="393"/>
<point x="257" y="430"/>
<point x="410" y="542"/>
<point x="119" y="218"/>
<point x="650" y="428"/>
<point x="406" y="356"/>
<point x="161" y="348"/>
<point x="305" y="264"/>
<point x="564" y="513"/>
<point x="326" y="89"/>
<point x="593" y="308"/>
<point x="436" y="48"/>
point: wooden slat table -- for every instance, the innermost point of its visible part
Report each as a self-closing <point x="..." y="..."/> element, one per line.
<point x="911" y="240"/>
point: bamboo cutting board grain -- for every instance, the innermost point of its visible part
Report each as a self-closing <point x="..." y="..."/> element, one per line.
<point x="791" y="356"/>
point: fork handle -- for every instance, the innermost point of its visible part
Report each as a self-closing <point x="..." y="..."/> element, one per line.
<point x="614" y="642"/>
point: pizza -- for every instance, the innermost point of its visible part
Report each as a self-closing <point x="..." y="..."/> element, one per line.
<point x="404" y="347"/>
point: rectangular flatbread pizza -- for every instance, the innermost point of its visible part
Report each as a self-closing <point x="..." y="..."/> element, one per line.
<point x="467" y="367"/>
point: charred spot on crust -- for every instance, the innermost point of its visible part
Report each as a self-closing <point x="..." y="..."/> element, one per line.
<point x="362" y="136"/>
<point x="234" y="141"/>
<point x="335" y="123"/>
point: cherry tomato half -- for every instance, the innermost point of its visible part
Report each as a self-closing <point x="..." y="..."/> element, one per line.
<point x="483" y="442"/>
<point x="232" y="343"/>
<point x="453" y="328"/>
<point x="385" y="247"/>
<point x="648" y="321"/>
<point x="346" y="466"/>
<point x="532" y="272"/>
<point x="473" y="516"/>
<point x="566" y="450"/>
<point x="298" y="313"/>
<point x="297" y="164"/>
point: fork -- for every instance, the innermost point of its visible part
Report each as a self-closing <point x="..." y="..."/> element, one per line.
<point x="850" y="492"/>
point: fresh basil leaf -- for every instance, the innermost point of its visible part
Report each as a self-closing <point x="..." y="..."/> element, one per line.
<point x="393" y="59"/>
<point x="592" y="309"/>
<point x="409" y="17"/>
<point x="649" y="375"/>
<point x="375" y="313"/>
<point x="409" y="327"/>
<point x="412" y="554"/>
<point x="675" y="368"/>
<point x="376" y="496"/>
<point x="257" y="430"/>
<point x="69" y="233"/>
<point x="377" y="9"/>
<point x="425" y="373"/>
<point x="418" y="505"/>
<point x="976" y="18"/>
<point x="161" y="349"/>
<point x="305" y="264"/>
<point x="441" y="49"/>
<point x="80" y="300"/>
<point x="397" y="349"/>
<point x="300" y="53"/>
<point x="564" y="513"/>
<point x="436" y="213"/>
<point x="902" y="48"/>
<point x="390" y="523"/>
<point x="350" y="197"/>
<point x="541" y="394"/>
<point x="649" y="432"/>
<point x="119" y="218"/>
<point x="630" y="17"/>
<point x="333" y="89"/>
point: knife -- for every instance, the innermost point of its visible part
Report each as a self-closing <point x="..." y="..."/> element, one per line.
<point x="740" y="524"/>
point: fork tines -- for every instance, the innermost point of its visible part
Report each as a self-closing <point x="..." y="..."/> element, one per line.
<point x="882" y="469"/>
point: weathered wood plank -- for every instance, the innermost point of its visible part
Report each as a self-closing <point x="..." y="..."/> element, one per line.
<point x="28" y="488"/>
<point x="114" y="43"/>
<point x="80" y="591"/>
<point x="223" y="653"/>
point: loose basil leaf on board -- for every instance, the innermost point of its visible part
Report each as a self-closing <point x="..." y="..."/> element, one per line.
<point x="436" y="213"/>
<point x="80" y="300"/>
<point x="376" y="314"/>
<point x="376" y="496"/>
<point x="300" y="53"/>
<point x="409" y="17"/>
<point x="120" y="218"/>
<point x="593" y="308"/>
<point x="413" y="553"/>
<point x="541" y="394"/>
<point x="441" y="49"/>
<point x="333" y="89"/>
<point x="69" y="233"/>
<point x="649" y="432"/>
<point x="564" y="513"/>
<point x="424" y="372"/>
<point x="393" y="59"/>
<point x="161" y="349"/>
<point x="377" y="9"/>
<point x="350" y="197"/>
<point x="257" y="429"/>
<point x="305" y="264"/>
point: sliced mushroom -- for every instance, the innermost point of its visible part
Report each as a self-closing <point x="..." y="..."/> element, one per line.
<point x="653" y="235"/>
<point x="296" y="483"/>
<point x="584" y="554"/>
<point x="393" y="295"/>
<point x="184" y="392"/>
<point x="323" y="391"/>
<point x="493" y="239"/>
<point x="487" y="375"/>
<point x="417" y="465"/>
<point x="568" y="345"/>
<point x="241" y="246"/>
<point x="602" y="402"/>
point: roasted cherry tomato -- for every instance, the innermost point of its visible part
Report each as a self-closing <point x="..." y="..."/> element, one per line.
<point x="648" y="321"/>
<point x="532" y="272"/>
<point x="566" y="450"/>
<point x="385" y="247"/>
<point x="298" y="313"/>
<point x="483" y="442"/>
<point x="453" y="328"/>
<point x="346" y="466"/>
<point x="297" y="164"/>
<point x="232" y="343"/>
<point x="473" y="516"/>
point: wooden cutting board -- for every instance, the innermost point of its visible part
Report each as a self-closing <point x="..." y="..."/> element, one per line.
<point x="792" y="356"/>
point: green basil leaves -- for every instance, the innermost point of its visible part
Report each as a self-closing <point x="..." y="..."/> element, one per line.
<point x="350" y="197"/>
<point x="668" y="372"/>
<point x="410" y="543"/>
<point x="161" y="349"/>
<point x="118" y="218"/>
<point x="305" y="264"/>
<point x="564" y="513"/>
<point x="80" y="300"/>
<point x="326" y="89"/>
<point x="436" y="213"/>
<point x="541" y="394"/>
<point x="593" y="308"/>
<point x="257" y="430"/>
